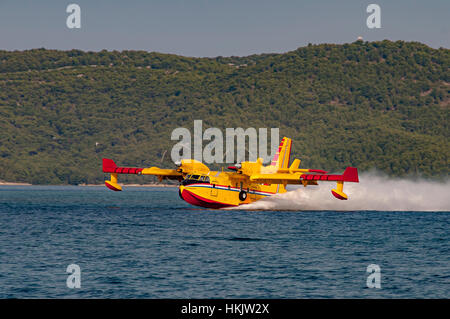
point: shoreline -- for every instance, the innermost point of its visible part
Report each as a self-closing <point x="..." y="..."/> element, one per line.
<point x="128" y="185"/>
<point x="3" y="183"/>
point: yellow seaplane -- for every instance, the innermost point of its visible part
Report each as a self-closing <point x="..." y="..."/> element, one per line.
<point x="245" y="183"/>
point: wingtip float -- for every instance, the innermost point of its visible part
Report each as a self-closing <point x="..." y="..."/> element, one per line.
<point x="246" y="182"/>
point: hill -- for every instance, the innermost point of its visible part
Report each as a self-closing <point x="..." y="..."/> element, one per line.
<point x="381" y="105"/>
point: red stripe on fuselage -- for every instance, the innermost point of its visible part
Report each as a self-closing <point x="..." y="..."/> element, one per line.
<point x="196" y="200"/>
<point x="231" y="188"/>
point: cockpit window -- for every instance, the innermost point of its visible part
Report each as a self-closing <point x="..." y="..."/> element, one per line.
<point x="193" y="179"/>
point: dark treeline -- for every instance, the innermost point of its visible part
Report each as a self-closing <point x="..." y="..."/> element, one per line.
<point x="382" y="105"/>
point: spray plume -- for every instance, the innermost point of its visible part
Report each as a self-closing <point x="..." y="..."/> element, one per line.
<point x="373" y="192"/>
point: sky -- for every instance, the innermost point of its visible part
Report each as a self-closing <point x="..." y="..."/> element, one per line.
<point x="209" y="28"/>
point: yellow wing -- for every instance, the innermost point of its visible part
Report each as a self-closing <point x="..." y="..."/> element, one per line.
<point x="187" y="166"/>
<point x="297" y="176"/>
<point x="110" y="167"/>
<point x="277" y="178"/>
<point x="162" y="173"/>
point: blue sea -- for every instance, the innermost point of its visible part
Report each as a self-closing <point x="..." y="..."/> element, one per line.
<point x="148" y="243"/>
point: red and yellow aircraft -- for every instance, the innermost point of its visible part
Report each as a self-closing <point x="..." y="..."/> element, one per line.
<point x="245" y="183"/>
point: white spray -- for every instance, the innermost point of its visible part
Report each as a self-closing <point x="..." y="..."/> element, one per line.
<point x="373" y="192"/>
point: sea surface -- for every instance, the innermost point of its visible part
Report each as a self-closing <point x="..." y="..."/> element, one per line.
<point x="148" y="243"/>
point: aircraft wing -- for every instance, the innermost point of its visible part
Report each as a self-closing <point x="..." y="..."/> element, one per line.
<point x="350" y="175"/>
<point x="110" y="167"/>
<point x="162" y="172"/>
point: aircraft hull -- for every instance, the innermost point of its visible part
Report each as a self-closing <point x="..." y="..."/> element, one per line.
<point x="218" y="196"/>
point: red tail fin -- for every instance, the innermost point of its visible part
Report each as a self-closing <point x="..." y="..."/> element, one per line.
<point x="108" y="165"/>
<point x="350" y="175"/>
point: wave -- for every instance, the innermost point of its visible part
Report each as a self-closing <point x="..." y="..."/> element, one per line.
<point x="373" y="192"/>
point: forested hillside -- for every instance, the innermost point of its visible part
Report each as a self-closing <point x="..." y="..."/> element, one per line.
<point x="382" y="105"/>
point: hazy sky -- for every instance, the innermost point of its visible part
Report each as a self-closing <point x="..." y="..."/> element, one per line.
<point x="217" y="27"/>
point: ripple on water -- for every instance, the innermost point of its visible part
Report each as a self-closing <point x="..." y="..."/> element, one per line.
<point x="146" y="244"/>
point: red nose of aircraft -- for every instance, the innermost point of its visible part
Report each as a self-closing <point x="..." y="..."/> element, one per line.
<point x="189" y="195"/>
